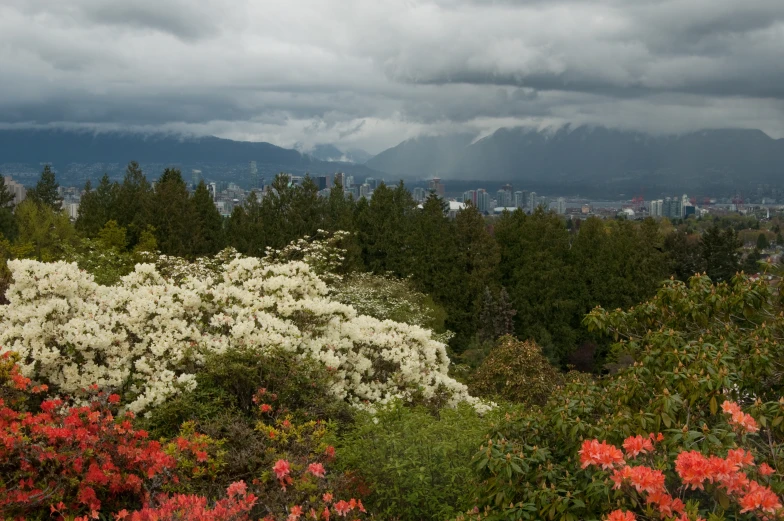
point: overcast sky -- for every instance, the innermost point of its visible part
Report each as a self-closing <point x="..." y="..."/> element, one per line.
<point x="370" y="73"/>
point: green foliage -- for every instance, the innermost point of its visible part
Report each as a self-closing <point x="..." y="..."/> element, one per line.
<point x="684" y="254"/>
<point x="720" y="251"/>
<point x="112" y="236"/>
<point x="172" y="214"/>
<point x="208" y="237"/>
<point x="691" y="348"/>
<point x="227" y="385"/>
<point x="44" y="232"/>
<point x="762" y="241"/>
<point x="515" y="371"/>
<point x="496" y="318"/>
<point x="416" y="465"/>
<point x="45" y="191"/>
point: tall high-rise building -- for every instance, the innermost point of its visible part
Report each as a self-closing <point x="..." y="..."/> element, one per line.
<point x="364" y="190"/>
<point x="483" y="201"/>
<point x="437" y="186"/>
<point x="253" y="176"/>
<point x="340" y="178"/>
<point x="19" y="191"/>
<point x="195" y="178"/>
<point x="349" y="181"/>
<point x="504" y="198"/>
<point x="419" y="194"/>
<point x="518" y="201"/>
<point x="672" y="208"/>
<point x="533" y="201"/>
<point x="656" y="208"/>
<point x="322" y="182"/>
<point x="561" y="208"/>
<point x="470" y="196"/>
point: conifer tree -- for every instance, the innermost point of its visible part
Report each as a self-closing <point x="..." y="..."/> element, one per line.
<point x="208" y="236"/>
<point x="8" y="227"/>
<point x="131" y="206"/>
<point x="45" y="191"/>
<point x="720" y="250"/>
<point x="171" y="215"/>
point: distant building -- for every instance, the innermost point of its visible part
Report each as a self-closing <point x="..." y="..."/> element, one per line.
<point x="253" y="176"/>
<point x="656" y="208"/>
<point x="483" y="202"/>
<point x="585" y="209"/>
<point x="340" y="178"/>
<point x="437" y="186"/>
<point x="561" y="206"/>
<point x="533" y="201"/>
<point x="519" y="199"/>
<point x="73" y="210"/>
<point x="504" y="198"/>
<point x="419" y="194"/>
<point x="195" y="178"/>
<point x="19" y="191"/>
<point x="672" y="208"/>
<point x="365" y="190"/>
<point x="470" y="195"/>
<point x="322" y="182"/>
<point x="349" y="181"/>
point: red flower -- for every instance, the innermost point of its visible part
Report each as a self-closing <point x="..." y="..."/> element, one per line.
<point x="766" y="469"/>
<point x="620" y="515"/>
<point x="633" y="445"/>
<point x="603" y="454"/>
<point x="281" y="468"/>
<point x="317" y="469"/>
<point x="114" y="398"/>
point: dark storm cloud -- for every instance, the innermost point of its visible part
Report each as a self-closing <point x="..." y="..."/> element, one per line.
<point x="371" y="73"/>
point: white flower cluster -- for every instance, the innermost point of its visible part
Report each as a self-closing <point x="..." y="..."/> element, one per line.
<point x="147" y="335"/>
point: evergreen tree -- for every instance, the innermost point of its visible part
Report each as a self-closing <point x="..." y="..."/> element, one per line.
<point x="684" y="255"/>
<point x="536" y="271"/>
<point x="43" y="231"/>
<point x="720" y="252"/>
<point x="131" y="205"/>
<point x="750" y="263"/>
<point x="496" y="317"/>
<point x="91" y="217"/>
<point x="433" y="254"/>
<point x="45" y="191"/>
<point x="339" y="215"/>
<point x="171" y="215"/>
<point x="384" y="225"/>
<point x="8" y="227"/>
<point x="477" y="259"/>
<point x="208" y="237"/>
<point x="762" y="241"/>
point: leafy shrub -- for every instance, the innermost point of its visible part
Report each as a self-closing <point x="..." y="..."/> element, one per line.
<point x="516" y="371"/>
<point x="416" y="465"/>
<point x="235" y="507"/>
<point x="692" y="348"/>
<point x="227" y="386"/>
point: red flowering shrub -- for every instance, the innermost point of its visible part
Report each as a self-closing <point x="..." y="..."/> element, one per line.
<point x="72" y="460"/>
<point x="727" y="478"/>
<point x="235" y="507"/>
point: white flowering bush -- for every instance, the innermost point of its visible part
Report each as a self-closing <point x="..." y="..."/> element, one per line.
<point x="146" y="336"/>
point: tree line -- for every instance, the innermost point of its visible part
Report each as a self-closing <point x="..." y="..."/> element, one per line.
<point x="531" y="275"/>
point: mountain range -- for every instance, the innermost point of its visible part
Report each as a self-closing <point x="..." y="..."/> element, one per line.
<point x="219" y="158"/>
<point x="568" y="160"/>
<point x="595" y="159"/>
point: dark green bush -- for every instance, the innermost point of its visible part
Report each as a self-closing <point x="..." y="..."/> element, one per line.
<point x="516" y="371"/>
<point x="416" y="465"/>
<point x="227" y="384"/>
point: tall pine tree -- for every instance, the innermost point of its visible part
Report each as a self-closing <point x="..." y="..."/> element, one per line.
<point x="171" y="214"/>
<point x="45" y="191"/>
<point x="208" y="236"/>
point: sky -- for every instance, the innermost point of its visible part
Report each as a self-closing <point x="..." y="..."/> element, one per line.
<point x="371" y="73"/>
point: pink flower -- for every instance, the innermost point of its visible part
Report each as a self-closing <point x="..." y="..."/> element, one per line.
<point x="317" y="469"/>
<point x="282" y="468"/>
